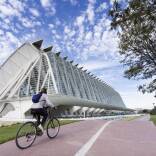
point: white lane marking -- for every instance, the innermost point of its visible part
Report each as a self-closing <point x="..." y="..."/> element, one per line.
<point x="88" y="145"/>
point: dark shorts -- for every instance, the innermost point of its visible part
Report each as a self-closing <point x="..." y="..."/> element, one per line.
<point x="39" y="111"/>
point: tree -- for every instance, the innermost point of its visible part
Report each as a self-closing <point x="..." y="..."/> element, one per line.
<point x="135" y="22"/>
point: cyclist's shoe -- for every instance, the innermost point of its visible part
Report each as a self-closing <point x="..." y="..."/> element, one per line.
<point x="39" y="132"/>
<point x="41" y="128"/>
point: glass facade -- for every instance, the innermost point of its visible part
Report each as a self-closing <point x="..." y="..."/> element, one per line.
<point x="73" y="81"/>
<point x="69" y="79"/>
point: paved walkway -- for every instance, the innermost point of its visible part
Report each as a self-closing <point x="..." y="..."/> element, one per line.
<point x="94" y="138"/>
<point x="122" y="138"/>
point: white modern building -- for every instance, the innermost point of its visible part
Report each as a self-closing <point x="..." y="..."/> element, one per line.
<point x="75" y="91"/>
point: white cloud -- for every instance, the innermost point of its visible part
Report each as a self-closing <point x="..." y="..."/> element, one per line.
<point x="5" y="52"/>
<point x="57" y="22"/>
<point x="7" y="10"/>
<point x="18" y="4"/>
<point x="28" y="23"/>
<point x="8" y="42"/>
<point x="66" y="30"/>
<point x="45" y="3"/>
<point x="54" y="31"/>
<point x="90" y="12"/>
<point x="49" y="5"/>
<point x="102" y="7"/>
<point x="11" y="38"/>
<point x="52" y="10"/>
<point x="51" y="26"/>
<point x="2" y="2"/>
<point x="34" y="12"/>
<point x="7" y="21"/>
<point x="92" y="1"/>
<point x="58" y="36"/>
<point x="1" y="32"/>
<point x="4" y="25"/>
<point x="29" y="37"/>
<point x="97" y="65"/>
<point x="102" y="43"/>
<point x="11" y="8"/>
<point x="37" y="23"/>
<point x="71" y="33"/>
<point x="73" y="2"/>
<point x="79" y="20"/>
<point x="89" y="40"/>
<point x="88" y="35"/>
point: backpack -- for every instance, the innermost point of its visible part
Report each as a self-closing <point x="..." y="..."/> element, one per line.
<point x="36" y="97"/>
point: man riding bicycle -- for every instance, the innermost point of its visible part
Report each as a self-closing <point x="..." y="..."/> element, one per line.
<point x="38" y="108"/>
<point x="28" y="131"/>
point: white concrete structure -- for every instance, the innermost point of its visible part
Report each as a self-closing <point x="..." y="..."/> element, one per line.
<point x="29" y="69"/>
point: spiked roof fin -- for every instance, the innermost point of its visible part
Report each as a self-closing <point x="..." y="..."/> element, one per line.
<point x="38" y="44"/>
<point x="65" y="58"/>
<point x="58" y="54"/>
<point x="48" y="49"/>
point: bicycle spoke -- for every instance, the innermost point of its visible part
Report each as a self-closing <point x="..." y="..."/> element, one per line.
<point x="26" y="135"/>
<point x="53" y="128"/>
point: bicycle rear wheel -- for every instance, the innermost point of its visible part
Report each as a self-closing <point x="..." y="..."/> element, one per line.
<point x="26" y="135"/>
<point x="53" y="128"/>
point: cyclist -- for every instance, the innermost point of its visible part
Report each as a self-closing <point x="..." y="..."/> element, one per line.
<point x="38" y="109"/>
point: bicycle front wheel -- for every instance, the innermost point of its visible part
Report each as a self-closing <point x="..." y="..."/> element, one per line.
<point x="53" y="128"/>
<point x="26" y="135"/>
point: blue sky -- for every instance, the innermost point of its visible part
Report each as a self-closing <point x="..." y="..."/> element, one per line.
<point x="80" y="29"/>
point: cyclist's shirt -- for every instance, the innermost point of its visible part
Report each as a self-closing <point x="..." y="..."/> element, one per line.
<point x="43" y="102"/>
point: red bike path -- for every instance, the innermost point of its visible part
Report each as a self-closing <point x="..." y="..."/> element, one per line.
<point x="117" y="138"/>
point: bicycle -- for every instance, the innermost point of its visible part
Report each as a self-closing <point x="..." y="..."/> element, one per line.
<point x="28" y="131"/>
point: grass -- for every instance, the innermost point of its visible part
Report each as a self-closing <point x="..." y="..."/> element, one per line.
<point x="153" y="118"/>
<point x="9" y="132"/>
<point x="131" y="118"/>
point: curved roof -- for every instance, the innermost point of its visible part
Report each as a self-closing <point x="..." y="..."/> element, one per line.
<point x="29" y="69"/>
<point x="16" y="66"/>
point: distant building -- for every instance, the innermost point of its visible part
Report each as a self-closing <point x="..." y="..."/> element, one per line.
<point x="75" y="91"/>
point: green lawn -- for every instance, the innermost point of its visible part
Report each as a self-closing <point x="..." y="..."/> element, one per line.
<point x="9" y="132"/>
<point x="153" y="119"/>
<point x="131" y="118"/>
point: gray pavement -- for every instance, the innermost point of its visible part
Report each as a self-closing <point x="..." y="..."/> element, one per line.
<point x="119" y="138"/>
